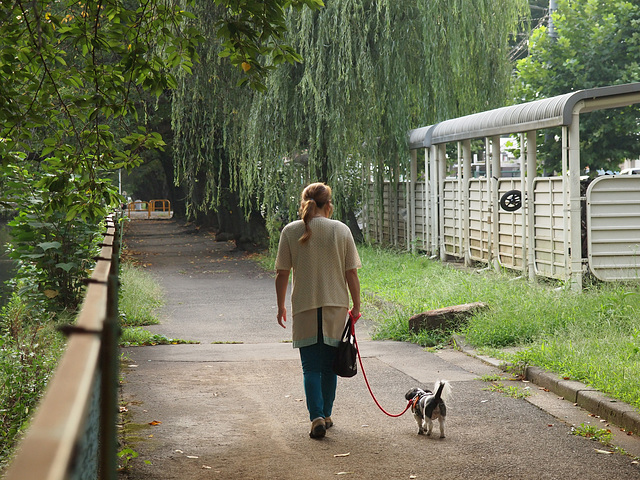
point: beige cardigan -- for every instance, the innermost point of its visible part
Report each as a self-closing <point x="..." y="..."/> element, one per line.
<point x="319" y="267"/>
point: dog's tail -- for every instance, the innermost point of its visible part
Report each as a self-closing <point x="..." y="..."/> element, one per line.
<point x="442" y="389"/>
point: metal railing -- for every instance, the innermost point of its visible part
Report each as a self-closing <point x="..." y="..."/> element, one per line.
<point x="150" y="207"/>
<point x="73" y="433"/>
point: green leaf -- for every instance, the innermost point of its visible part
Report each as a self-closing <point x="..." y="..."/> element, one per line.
<point x="67" y="267"/>
<point x="48" y="245"/>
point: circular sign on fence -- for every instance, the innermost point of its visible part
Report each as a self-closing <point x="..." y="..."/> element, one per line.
<point x="511" y="201"/>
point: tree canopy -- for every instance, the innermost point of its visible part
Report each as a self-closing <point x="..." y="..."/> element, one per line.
<point x="75" y="80"/>
<point x="596" y="44"/>
<point x="372" y="70"/>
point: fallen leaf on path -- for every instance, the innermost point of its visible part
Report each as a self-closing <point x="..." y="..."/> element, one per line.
<point x="344" y="473"/>
<point x="123" y="409"/>
<point x="179" y="451"/>
<point x="191" y="456"/>
<point x="342" y="454"/>
<point x="206" y="467"/>
<point x="155" y="422"/>
<point x="603" y="451"/>
<point x="413" y="476"/>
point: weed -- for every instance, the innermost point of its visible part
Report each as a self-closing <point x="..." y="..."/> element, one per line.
<point x="509" y="391"/>
<point x="601" y="435"/>
<point x="126" y="455"/>
<point x="138" y="336"/>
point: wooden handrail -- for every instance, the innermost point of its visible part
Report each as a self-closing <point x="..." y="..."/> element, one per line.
<point x="49" y="451"/>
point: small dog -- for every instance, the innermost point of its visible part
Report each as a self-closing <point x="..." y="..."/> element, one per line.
<point x="427" y="406"/>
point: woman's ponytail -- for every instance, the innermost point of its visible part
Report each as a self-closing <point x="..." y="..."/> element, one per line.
<point x="314" y="197"/>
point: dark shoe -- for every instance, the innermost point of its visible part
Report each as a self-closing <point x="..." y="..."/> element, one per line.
<point x="318" y="428"/>
<point x="328" y="423"/>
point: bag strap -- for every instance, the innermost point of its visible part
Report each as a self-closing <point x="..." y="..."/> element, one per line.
<point x="348" y="330"/>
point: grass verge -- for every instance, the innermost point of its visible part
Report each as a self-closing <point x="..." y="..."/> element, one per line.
<point x="140" y="298"/>
<point x="593" y="336"/>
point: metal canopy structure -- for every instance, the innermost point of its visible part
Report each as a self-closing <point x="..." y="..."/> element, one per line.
<point x="523" y="119"/>
<point x="545" y="113"/>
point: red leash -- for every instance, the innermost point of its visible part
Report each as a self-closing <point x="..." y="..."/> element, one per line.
<point x="355" y="341"/>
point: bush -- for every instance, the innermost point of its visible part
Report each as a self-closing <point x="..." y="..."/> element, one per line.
<point x="29" y="351"/>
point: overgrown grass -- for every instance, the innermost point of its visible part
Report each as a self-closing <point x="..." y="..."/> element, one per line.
<point x="30" y="347"/>
<point x="29" y="351"/>
<point x="593" y="336"/>
<point x="140" y="297"/>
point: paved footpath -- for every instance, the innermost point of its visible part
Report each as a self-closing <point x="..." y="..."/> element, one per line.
<point x="231" y="407"/>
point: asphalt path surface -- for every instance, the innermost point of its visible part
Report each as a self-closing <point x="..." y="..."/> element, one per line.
<point x="232" y="406"/>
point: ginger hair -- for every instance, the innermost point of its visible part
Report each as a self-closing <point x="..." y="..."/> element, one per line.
<point x="314" y="198"/>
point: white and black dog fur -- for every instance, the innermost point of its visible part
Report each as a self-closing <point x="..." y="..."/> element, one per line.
<point x="427" y="406"/>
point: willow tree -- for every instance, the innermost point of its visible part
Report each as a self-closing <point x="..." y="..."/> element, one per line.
<point x="372" y="70"/>
<point x="206" y="107"/>
<point x="243" y="42"/>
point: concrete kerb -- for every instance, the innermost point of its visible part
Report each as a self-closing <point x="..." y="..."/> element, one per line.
<point x="592" y="400"/>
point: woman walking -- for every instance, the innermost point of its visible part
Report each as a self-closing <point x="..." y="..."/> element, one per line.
<point x="325" y="265"/>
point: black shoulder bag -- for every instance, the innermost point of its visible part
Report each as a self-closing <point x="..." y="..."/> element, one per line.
<point x="345" y="363"/>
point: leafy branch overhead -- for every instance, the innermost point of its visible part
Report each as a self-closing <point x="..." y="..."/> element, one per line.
<point x="76" y="78"/>
<point x="252" y="32"/>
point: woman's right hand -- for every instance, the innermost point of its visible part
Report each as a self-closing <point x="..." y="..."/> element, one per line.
<point x="282" y="317"/>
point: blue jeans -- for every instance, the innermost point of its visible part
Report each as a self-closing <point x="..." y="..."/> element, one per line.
<point x="319" y="380"/>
